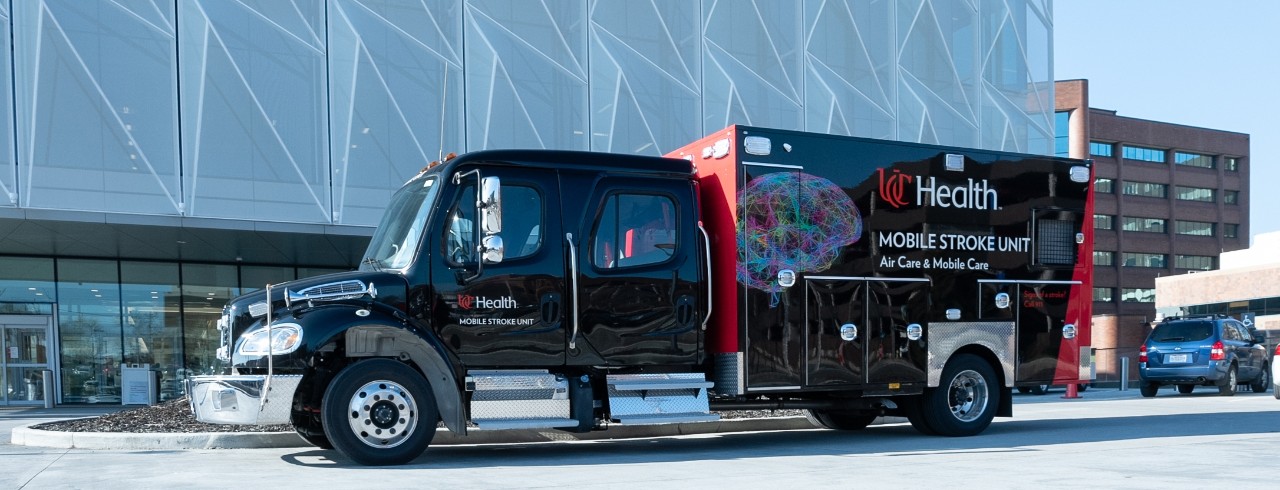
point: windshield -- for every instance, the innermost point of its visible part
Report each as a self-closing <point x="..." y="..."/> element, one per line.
<point x="396" y="241"/>
<point x="1182" y="331"/>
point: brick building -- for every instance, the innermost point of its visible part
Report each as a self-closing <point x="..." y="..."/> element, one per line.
<point x="1170" y="199"/>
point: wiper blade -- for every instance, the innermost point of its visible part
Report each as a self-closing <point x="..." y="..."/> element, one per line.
<point x="377" y="266"/>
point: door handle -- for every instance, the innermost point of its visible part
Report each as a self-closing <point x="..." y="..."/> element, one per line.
<point x="573" y="289"/>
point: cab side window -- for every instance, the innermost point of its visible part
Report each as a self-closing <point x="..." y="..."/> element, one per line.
<point x="1229" y="332"/>
<point x="522" y="224"/>
<point x="633" y="230"/>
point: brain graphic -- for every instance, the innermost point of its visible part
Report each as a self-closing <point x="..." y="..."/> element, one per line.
<point x="792" y="220"/>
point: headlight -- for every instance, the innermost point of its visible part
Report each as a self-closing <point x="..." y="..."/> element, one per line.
<point x="285" y="338"/>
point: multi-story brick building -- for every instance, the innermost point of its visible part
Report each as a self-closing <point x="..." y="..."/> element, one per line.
<point x="1170" y="199"/>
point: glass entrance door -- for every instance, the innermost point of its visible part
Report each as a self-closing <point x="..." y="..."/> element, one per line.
<point x="24" y="355"/>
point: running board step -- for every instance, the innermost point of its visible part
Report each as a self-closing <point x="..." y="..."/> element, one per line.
<point x="519" y="399"/>
<point x="642" y="399"/>
<point x="500" y="424"/>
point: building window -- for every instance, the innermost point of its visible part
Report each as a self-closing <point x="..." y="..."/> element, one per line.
<point x="1138" y="295"/>
<point x="1104" y="295"/>
<point x="1230" y="230"/>
<point x="1137" y="259"/>
<point x="1104" y="185"/>
<point x="1061" y="124"/>
<point x="1197" y="228"/>
<point x="1100" y="149"/>
<point x="1104" y="222"/>
<point x="1146" y="189"/>
<point x="1231" y="197"/>
<point x="1201" y="262"/>
<point x="1145" y="225"/>
<point x="1104" y="258"/>
<point x="1184" y="193"/>
<point x="1143" y="153"/>
<point x="1233" y="164"/>
<point x="1192" y="159"/>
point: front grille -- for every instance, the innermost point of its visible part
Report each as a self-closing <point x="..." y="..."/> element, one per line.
<point x="354" y="287"/>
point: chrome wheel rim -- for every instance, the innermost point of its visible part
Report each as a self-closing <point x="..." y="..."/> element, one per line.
<point x="382" y="414"/>
<point x="968" y="396"/>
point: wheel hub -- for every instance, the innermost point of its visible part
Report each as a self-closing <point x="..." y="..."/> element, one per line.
<point x="968" y="396"/>
<point x="382" y="414"/>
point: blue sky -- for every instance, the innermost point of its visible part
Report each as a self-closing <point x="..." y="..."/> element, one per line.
<point x="1206" y="63"/>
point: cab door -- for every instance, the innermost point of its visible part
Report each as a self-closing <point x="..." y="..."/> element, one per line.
<point x="509" y="313"/>
<point x="636" y="271"/>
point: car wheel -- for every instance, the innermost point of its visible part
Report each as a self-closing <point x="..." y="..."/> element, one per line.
<point x="379" y="412"/>
<point x="1039" y="389"/>
<point x="1184" y="389"/>
<point x="1082" y="387"/>
<point x="1024" y="390"/>
<point x="965" y="401"/>
<point x="1148" y="389"/>
<point x="1227" y="387"/>
<point x="1263" y="382"/>
<point x="841" y="419"/>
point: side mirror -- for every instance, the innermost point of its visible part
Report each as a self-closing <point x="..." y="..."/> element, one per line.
<point x="491" y="249"/>
<point x="1259" y="337"/>
<point x="490" y="204"/>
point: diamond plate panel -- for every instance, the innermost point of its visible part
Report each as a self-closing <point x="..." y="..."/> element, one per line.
<point x="947" y="337"/>
<point x="508" y="395"/>
<point x="238" y="399"/>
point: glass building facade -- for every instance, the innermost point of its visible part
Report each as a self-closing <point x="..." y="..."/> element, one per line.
<point x="160" y="156"/>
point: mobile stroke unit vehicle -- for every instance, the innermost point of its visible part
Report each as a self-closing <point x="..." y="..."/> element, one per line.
<point x="752" y="269"/>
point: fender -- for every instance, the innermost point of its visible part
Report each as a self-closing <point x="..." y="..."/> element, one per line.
<point x="383" y="333"/>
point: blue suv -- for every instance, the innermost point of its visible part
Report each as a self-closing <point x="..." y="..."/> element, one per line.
<point x="1203" y="351"/>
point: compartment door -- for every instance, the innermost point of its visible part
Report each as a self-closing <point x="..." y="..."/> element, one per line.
<point x="860" y="330"/>
<point x="773" y="315"/>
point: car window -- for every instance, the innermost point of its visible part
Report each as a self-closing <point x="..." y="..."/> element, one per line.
<point x="633" y="230"/>
<point x="1229" y="332"/>
<point x="1182" y="331"/>
<point x="1236" y="333"/>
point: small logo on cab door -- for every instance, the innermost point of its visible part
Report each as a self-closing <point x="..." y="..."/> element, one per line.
<point x="467" y="302"/>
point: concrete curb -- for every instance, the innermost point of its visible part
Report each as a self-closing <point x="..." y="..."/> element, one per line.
<point x="27" y="436"/>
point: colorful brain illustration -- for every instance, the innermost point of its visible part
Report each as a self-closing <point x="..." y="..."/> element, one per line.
<point x="792" y="220"/>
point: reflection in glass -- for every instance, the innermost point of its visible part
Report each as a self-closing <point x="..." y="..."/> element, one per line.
<point x="89" y="327"/>
<point x="206" y="288"/>
<point x="255" y="277"/>
<point x="153" y="321"/>
<point x="26" y="286"/>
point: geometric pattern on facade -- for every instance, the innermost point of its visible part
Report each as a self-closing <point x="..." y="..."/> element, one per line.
<point x="313" y="111"/>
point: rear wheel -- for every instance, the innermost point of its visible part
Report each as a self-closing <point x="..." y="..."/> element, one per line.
<point x="1148" y="389"/>
<point x="1228" y="385"/>
<point x="1184" y="389"/>
<point x="913" y="409"/>
<point x="379" y="412"/>
<point x="1039" y="389"/>
<point x="1081" y="387"/>
<point x="1263" y="382"/>
<point x="966" y="399"/>
<point x="841" y="419"/>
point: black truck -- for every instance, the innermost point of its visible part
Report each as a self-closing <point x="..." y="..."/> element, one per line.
<point x="752" y="269"/>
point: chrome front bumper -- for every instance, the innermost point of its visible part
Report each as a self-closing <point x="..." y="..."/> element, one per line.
<point x="239" y="399"/>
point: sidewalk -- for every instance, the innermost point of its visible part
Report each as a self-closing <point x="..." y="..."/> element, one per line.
<point x="17" y="421"/>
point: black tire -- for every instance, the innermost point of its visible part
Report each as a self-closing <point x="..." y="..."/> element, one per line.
<point x="1082" y="387"/>
<point x="912" y="408"/>
<point x="966" y="399"/>
<point x="841" y="419"/>
<point x="1227" y="387"/>
<point x="380" y="412"/>
<point x="1024" y="390"/>
<point x="1039" y="389"/>
<point x="1184" y="389"/>
<point x="1263" y="382"/>
<point x="1148" y="389"/>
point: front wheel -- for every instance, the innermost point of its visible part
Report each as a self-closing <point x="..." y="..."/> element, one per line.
<point x="379" y="412"/>
<point x="1263" y="382"/>
<point x="965" y="401"/>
